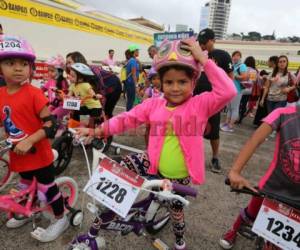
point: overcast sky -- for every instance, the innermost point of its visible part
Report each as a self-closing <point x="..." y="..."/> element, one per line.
<point x="263" y="16"/>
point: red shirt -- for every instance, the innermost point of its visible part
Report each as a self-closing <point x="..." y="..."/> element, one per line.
<point x="20" y="112"/>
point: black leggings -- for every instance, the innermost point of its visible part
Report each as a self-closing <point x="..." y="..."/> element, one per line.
<point x="46" y="176"/>
<point x="111" y="101"/>
<point x="139" y="163"/>
<point x="95" y="113"/>
<point x="243" y="107"/>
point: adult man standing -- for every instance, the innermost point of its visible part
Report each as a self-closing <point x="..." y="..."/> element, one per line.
<point x="206" y="39"/>
<point x="110" y="61"/>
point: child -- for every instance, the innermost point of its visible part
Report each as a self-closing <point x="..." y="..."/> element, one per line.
<point x="175" y="151"/>
<point x="282" y="178"/>
<point x="155" y="87"/>
<point x="56" y="86"/>
<point x="80" y="74"/>
<point x="27" y="121"/>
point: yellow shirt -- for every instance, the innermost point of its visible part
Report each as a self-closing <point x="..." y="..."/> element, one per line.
<point x="82" y="90"/>
<point x="171" y="163"/>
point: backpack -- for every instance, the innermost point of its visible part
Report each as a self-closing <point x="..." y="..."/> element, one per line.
<point x="239" y="73"/>
<point x="123" y="74"/>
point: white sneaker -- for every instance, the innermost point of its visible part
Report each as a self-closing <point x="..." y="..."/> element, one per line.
<point x="13" y="223"/>
<point x="52" y="232"/>
<point x="227" y="129"/>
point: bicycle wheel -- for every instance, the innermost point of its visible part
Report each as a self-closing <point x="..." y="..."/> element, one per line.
<point x="69" y="189"/>
<point x="64" y="146"/>
<point x="160" y="219"/>
<point x="5" y="174"/>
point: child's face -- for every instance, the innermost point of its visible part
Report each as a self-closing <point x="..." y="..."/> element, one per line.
<point x="73" y="76"/>
<point x="177" y="87"/>
<point x="15" y="71"/>
<point x="52" y="72"/>
<point x="236" y="58"/>
<point x="155" y="81"/>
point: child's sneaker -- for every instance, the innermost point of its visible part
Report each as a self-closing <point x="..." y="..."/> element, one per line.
<point x="227" y="129"/>
<point x="53" y="231"/>
<point x="13" y="223"/>
<point x="180" y="247"/>
<point x="228" y="239"/>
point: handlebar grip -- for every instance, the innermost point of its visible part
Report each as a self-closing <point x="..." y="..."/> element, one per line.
<point x="244" y="190"/>
<point x="186" y="190"/>
<point x="227" y="181"/>
<point x="31" y="151"/>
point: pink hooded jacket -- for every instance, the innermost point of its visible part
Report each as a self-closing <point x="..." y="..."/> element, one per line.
<point x="188" y="119"/>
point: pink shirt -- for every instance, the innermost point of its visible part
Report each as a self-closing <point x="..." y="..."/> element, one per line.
<point x="189" y="121"/>
<point x="110" y="62"/>
<point x="48" y="86"/>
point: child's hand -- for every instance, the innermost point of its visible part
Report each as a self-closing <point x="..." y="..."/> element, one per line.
<point x="23" y="147"/>
<point x="239" y="182"/>
<point x="193" y="46"/>
<point x="80" y="132"/>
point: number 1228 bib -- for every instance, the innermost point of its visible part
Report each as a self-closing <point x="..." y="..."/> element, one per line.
<point x="114" y="186"/>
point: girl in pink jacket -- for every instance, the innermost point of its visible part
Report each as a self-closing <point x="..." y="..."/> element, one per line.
<point x="177" y="121"/>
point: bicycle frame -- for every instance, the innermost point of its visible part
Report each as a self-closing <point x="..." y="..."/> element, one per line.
<point x="8" y="202"/>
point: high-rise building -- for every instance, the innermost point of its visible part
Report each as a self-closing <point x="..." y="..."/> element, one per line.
<point x="215" y="15"/>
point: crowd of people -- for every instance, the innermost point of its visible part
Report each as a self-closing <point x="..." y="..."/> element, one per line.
<point x="189" y="82"/>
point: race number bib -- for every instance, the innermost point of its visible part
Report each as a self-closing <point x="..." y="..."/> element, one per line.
<point x="72" y="104"/>
<point x="279" y="224"/>
<point x="114" y="186"/>
<point x="10" y="45"/>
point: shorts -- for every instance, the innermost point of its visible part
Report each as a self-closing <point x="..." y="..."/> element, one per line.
<point x="212" y="131"/>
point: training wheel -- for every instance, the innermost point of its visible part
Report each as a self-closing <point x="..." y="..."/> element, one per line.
<point x="117" y="151"/>
<point x="76" y="218"/>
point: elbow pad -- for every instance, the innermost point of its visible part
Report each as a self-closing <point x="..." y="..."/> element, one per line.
<point x="50" y="131"/>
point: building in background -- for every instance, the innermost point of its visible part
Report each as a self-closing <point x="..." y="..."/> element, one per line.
<point x="215" y="15"/>
<point x="145" y="22"/>
<point x="181" y="28"/>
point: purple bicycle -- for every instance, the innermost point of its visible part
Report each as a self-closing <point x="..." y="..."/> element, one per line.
<point x="149" y="214"/>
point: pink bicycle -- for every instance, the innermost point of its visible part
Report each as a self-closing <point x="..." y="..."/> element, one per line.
<point x="25" y="203"/>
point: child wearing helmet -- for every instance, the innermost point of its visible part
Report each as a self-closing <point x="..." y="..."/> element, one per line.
<point x="80" y="75"/>
<point x="177" y="121"/>
<point x="56" y="86"/>
<point x="154" y="90"/>
<point x="28" y="123"/>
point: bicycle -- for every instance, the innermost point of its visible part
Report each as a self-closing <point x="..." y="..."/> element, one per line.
<point x="149" y="214"/>
<point x="24" y="203"/>
<point x="270" y="231"/>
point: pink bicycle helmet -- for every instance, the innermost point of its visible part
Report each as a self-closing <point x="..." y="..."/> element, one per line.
<point x="152" y="72"/>
<point x="172" y="53"/>
<point x="57" y="62"/>
<point x="15" y="47"/>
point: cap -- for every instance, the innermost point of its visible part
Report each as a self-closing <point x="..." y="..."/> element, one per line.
<point x="205" y="35"/>
<point x="133" y="47"/>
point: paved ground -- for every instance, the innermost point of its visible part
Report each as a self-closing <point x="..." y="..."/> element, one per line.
<point x="207" y="218"/>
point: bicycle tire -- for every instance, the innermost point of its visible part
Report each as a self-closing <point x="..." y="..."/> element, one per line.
<point x="72" y="194"/>
<point x="64" y="146"/>
<point x="159" y="221"/>
<point x="5" y="174"/>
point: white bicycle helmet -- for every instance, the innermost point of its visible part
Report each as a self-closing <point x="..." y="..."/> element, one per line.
<point x="82" y="69"/>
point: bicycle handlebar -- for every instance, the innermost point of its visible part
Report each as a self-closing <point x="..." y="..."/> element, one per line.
<point x="167" y="187"/>
<point x="244" y="190"/>
<point x="7" y="145"/>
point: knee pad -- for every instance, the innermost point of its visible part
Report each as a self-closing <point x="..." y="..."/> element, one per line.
<point x="48" y="192"/>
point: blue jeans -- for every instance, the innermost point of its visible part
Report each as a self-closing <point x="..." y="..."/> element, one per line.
<point x="130" y="94"/>
<point x="272" y="105"/>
